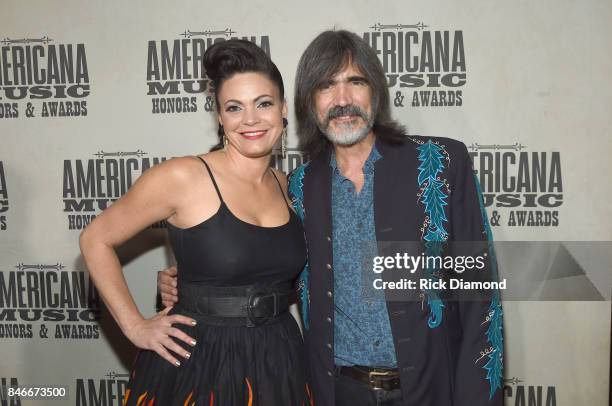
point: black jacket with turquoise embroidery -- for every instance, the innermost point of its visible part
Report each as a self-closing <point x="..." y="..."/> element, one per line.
<point x="448" y="352"/>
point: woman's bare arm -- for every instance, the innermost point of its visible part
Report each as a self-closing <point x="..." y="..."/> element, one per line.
<point x="152" y="198"/>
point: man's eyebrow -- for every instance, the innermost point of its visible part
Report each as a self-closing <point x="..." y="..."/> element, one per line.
<point x="354" y="78"/>
<point x="357" y="78"/>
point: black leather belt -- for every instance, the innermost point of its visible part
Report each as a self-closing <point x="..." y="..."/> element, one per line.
<point x="375" y="378"/>
<point x="235" y="305"/>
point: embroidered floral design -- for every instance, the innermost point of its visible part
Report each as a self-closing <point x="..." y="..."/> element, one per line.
<point x="495" y="339"/>
<point x="296" y="194"/>
<point x="433" y="194"/>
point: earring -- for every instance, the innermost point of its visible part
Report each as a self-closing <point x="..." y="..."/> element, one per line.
<point x="223" y="136"/>
<point x="284" y="139"/>
<point x="284" y="144"/>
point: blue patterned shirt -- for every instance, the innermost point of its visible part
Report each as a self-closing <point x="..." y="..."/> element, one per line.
<point x="362" y="332"/>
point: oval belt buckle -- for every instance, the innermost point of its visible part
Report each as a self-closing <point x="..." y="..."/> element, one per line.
<point x="253" y="300"/>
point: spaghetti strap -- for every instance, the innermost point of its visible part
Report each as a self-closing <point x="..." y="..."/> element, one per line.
<point x="281" y="190"/>
<point x="212" y="178"/>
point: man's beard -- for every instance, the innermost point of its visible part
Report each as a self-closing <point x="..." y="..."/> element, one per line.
<point x="350" y="135"/>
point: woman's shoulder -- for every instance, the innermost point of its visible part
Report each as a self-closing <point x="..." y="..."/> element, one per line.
<point x="181" y="167"/>
<point x="178" y="173"/>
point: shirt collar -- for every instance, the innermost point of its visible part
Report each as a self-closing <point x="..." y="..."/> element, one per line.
<point x="368" y="167"/>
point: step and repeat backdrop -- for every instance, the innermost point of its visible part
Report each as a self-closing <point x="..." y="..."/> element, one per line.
<point x="94" y="93"/>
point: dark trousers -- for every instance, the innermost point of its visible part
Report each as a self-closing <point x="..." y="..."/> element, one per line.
<point x="350" y="392"/>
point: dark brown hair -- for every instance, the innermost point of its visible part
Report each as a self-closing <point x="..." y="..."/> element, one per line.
<point x="227" y="58"/>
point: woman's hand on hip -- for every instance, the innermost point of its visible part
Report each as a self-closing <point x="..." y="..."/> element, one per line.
<point x="156" y="334"/>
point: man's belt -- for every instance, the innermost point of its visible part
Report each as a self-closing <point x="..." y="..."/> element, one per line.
<point x="235" y="305"/>
<point x="375" y="378"/>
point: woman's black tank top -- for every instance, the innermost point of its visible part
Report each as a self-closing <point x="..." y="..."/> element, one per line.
<point x="226" y="251"/>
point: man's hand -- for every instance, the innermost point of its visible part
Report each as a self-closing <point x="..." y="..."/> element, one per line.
<point x="166" y="283"/>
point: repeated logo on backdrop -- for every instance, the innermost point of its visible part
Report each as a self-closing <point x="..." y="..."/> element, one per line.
<point x="293" y="159"/>
<point x="520" y="188"/>
<point x="91" y="185"/>
<point x="40" y="77"/>
<point x="175" y="73"/>
<point x="6" y="382"/>
<point x="4" y="202"/>
<point x="517" y="393"/>
<point x="424" y="67"/>
<point x="47" y="301"/>
<point x="107" y="391"/>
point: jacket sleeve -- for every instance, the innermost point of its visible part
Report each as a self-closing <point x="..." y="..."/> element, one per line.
<point x="296" y="195"/>
<point x="479" y="368"/>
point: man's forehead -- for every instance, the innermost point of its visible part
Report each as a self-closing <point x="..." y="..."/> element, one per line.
<point x="349" y="69"/>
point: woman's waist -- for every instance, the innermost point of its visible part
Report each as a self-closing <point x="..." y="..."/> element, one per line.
<point x="237" y="273"/>
<point x="248" y="305"/>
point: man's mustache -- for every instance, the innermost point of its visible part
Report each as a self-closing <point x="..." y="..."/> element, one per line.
<point x="349" y="110"/>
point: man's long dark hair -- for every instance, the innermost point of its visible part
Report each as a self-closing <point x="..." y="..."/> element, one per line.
<point x="328" y="54"/>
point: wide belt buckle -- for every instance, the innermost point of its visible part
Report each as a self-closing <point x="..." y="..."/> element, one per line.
<point x="373" y="375"/>
<point x="256" y="302"/>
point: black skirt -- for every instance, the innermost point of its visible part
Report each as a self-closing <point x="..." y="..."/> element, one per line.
<point x="230" y="365"/>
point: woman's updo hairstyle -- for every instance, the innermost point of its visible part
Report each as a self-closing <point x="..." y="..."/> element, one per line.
<point x="227" y="58"/>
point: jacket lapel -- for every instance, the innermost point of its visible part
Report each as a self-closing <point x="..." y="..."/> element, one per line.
<point x="317" y="198"/>
<point x="394" y="193"/>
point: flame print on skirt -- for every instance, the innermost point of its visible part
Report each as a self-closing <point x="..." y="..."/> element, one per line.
<point x="310" y="401"/>
<point x="186" y="403"/>
<point x="142" y="399"/>
<point x="250" y="401"/>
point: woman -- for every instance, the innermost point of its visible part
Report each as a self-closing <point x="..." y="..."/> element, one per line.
<point x="238" y="245"/>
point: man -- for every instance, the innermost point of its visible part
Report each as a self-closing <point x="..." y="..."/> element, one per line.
<point x="367" y="181"/>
